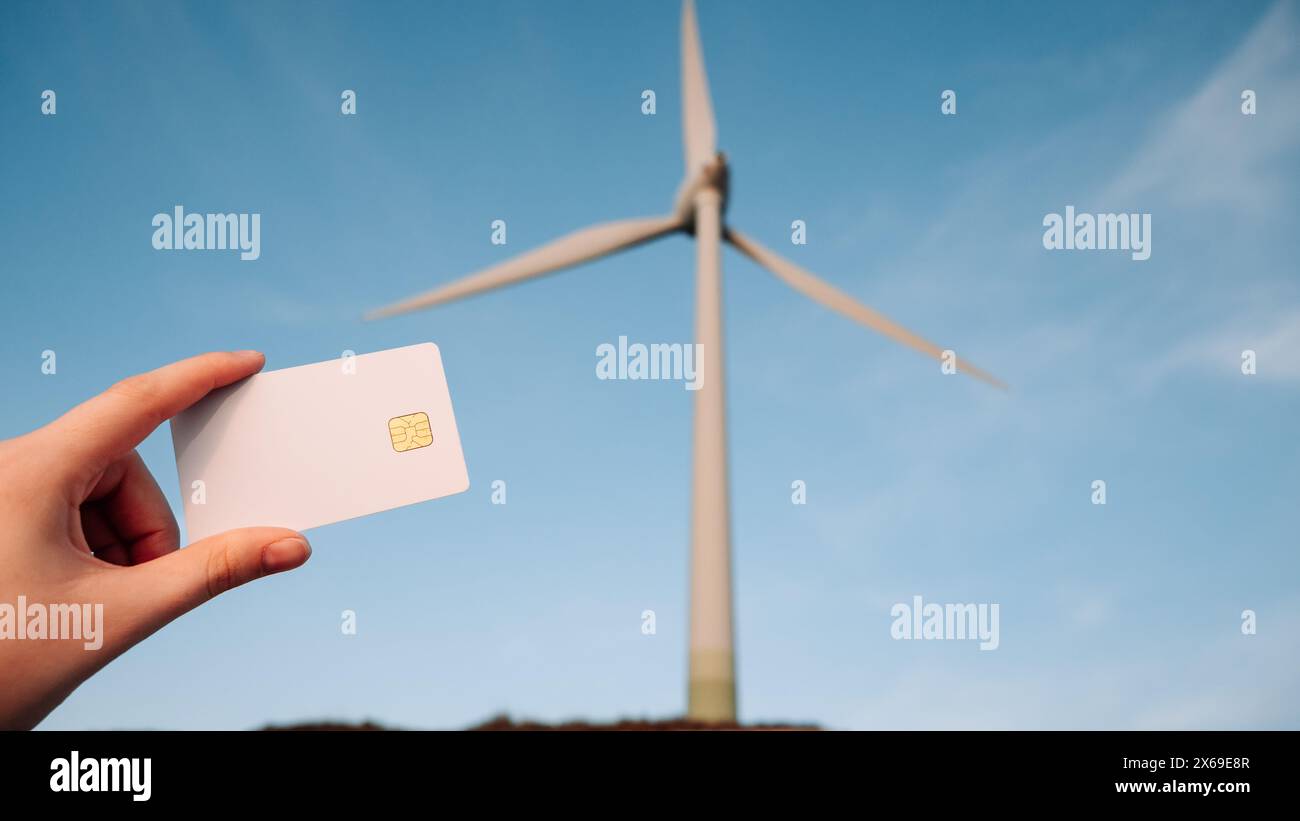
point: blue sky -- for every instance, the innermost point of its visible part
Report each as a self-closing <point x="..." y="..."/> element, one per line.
<point x="1115" y="616"/>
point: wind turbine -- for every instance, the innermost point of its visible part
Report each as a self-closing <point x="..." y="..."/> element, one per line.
<point x="700" y="202"/>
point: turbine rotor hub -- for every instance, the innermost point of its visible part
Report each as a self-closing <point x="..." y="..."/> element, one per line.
<point x="714" y="175"/>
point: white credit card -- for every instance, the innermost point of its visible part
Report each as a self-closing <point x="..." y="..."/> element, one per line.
<point x="308" y="446"/>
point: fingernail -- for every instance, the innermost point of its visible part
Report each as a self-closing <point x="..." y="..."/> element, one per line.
<point x="286" y="554"/>
<point x="248" y="354"/>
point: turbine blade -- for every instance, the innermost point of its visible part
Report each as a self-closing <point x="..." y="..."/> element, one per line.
<point x="698" y="129"/>
<point x="572" y="249"/>
<point x="828" y="295"/>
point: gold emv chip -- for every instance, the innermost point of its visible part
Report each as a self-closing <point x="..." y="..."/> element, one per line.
<point x="410" y="431"/>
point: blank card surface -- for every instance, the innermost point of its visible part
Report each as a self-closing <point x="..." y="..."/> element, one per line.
<point x="317" y="444"/>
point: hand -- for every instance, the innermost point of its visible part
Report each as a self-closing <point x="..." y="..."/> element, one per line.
<point x="85" y="525"/>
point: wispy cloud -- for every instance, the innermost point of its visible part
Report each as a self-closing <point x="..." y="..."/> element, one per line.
<point x="1273" y="336"/>
<point x="1205" y="152"/>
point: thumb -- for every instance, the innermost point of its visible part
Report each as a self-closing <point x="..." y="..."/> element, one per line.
<point x="179" y="581"/>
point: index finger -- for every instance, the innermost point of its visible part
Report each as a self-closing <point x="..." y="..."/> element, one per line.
<point x="110" y="425"/>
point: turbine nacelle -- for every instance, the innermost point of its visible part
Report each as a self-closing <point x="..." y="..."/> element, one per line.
<point x="714" y="175"/>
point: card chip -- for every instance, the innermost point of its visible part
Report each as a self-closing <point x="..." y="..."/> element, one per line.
<point x="410" y="431"/>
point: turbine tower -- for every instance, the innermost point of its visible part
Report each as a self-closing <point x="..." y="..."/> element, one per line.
<point x="700" y="203"/>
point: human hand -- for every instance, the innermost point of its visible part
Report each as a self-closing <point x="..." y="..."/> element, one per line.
<point x="86" y="527"/>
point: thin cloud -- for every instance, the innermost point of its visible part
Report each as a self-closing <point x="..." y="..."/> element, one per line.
<point x="1206" y="152"/>
<point x="1274" y="339"/>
